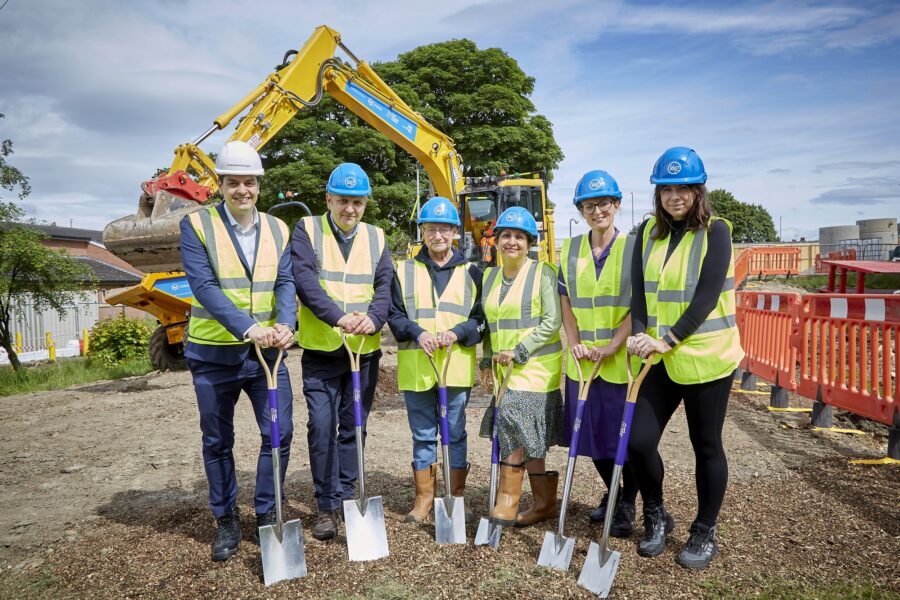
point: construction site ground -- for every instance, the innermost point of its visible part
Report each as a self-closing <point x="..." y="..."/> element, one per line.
<point x="104" y="496"/>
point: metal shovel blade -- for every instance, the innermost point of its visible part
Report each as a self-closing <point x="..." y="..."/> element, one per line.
<point x="488" y="533"/>
<point x="556" y="551"/>
<point x="450" y="526"/>
<point x="366" y="533"/>
<point x="282" y="559"/>
<point x="598" y="574"/>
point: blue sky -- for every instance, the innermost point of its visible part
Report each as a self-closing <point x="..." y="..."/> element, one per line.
<point x="792" y="105"/>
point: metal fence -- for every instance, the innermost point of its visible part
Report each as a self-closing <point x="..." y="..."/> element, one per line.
<point x="866" y="249"/>
<point x="33" y="325"/>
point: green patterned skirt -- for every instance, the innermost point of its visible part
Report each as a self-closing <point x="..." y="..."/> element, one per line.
<point x="529" y="420"/>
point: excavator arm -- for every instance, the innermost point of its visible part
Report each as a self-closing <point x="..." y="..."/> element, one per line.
<point x="149" y="239"/>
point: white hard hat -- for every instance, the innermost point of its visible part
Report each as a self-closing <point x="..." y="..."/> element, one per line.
<point x="238" y="158"/>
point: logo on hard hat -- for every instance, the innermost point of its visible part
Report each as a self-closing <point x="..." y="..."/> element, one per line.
<point x="674" y="168"/>
<point x="350" y="181"/>
<point x="512" y="217"/>
<point x="439" y="210"/>
<point x="595" y="184"/>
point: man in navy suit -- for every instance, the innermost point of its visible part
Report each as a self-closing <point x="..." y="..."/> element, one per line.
<point x="239" y="268"/>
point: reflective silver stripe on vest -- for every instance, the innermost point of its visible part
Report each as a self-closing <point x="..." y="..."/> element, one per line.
<point x="491" y="277"/>
<point x="346" y="277"/>
<point x="276" y="233"/>
<point x="517" y="324"/>
<point x="210" y="235"/>
<point x="455" y="309"/>
<point x="651" y="321"/>
<point x="682" y="295"/>
<point x="263" y="286"/>
<point x="202" y="313"/>
<point x="650" y="286"/>
<point x="709" y="326"/>
<point x="593" y="336"/>
<point x="263" y="316"/>
<point x="232" y="283"/>
<point x="409" y="297"/>
<point x="374" y="249"/>
<point x="648" y="248"/>
<point x="348" y="307"/>
<point x="547" y="349"/>
<point x="527" y="292"/>
<point x="318" y="242"/>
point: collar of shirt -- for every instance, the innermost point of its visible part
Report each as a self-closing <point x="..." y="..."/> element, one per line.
<point x="237" y="225"/>
<point x="340" y="232"/>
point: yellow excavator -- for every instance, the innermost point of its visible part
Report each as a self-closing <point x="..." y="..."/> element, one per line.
<point x="150" y="238"/>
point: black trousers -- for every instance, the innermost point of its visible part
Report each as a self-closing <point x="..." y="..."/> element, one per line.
<point x="705" y="405"/>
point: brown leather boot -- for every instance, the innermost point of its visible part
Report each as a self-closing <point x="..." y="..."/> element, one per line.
<point x="458" y="487"/>
<point x="424" y="480"/>
<point x="508" y="493"/>
<point x="543" y="488"/>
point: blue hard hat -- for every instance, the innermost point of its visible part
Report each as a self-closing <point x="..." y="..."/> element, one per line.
<point x="439" y="210"/>
<point x="348" y="179"/>
<point x="678" y="165"/>
<point x="516" y="218"/>
<point x="596" y="184"/>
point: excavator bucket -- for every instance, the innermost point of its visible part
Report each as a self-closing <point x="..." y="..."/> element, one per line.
<point x="150" y="238"/>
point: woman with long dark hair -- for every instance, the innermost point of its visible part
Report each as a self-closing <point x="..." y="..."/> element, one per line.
<point x="683" y="319"/>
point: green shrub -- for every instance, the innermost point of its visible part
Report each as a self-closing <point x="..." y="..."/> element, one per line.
<point x="115" y="341"/>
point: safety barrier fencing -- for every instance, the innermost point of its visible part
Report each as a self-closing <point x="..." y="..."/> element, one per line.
<point x="848" y="254"/>
<point x="764" y="261"/>
<point x="840" y="350"/>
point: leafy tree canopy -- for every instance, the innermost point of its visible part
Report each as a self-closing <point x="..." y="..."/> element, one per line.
<point x="752" y="223"/>
<point x="47" y="276"/>
<point x="480" y="98"/>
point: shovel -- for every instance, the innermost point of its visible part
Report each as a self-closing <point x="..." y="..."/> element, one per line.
<point x="489" y="533"/>
<point x="449" y="511"/>
<point x="281" y="544"/>
<point x="364" y="517"/>
<point x="602" y="563"/>
<point x="556" y="551"/>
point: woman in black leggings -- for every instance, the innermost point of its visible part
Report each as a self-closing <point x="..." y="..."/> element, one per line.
<point x="683" y="317"/>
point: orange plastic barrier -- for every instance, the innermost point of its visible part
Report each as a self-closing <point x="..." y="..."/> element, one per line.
<point x="741" y="264"/>
<point x="775" y="260"/>
<point x="848" y="352"/>
<point x="768" y="323"/>
<point x="836" y="255"/>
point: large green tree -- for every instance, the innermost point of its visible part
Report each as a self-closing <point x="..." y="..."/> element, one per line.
<point x="48" y="277"/>
<point x="752" y="223"/>
<point x="480" y="98"/>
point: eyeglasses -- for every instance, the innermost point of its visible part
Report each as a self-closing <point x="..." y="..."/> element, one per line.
<point x="437" y="230"/>
<point x="604" y="205"/>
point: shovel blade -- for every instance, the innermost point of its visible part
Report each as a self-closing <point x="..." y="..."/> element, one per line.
<point x="366" y="533"/>
<point x="450" y="525"/>
<point x="488" y="534"/>
<point x="556" y="551"/>
<point x="598" y="573"/>
<point x="282" y="559"/>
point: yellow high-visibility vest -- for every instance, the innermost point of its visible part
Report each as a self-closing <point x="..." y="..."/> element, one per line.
<point x="514" y="319"/>
<point x="435" y="314"/>
<point x="600" y="305"/>
<point x="350" y="283"/>
<point x="255" y="296"/>
<point x="714" y="349"/>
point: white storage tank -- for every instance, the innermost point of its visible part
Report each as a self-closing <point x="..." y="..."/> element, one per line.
<point x="830" y="238"/>
<point x="877" y="238"/>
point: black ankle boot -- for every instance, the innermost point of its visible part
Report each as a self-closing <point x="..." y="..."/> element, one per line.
<point x="700" y="549"/>
<point x="599" y="513"/>
<point x="623" y="520"/>
<point x="657" y="525"/>
<point x="228" y="535"/>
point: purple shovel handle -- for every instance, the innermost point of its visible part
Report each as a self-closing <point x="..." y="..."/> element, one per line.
<point x="273" y="419"/>
<point x="576" y="428"/>
<point x="357" y="399"/>
<point x="624" y="433"/>
<point x="445" y="423"/>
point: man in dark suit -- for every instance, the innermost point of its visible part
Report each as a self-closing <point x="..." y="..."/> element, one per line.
<point x="239" y="268"/>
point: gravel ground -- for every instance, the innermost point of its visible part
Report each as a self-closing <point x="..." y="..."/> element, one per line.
<point x="103" y="496"/>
